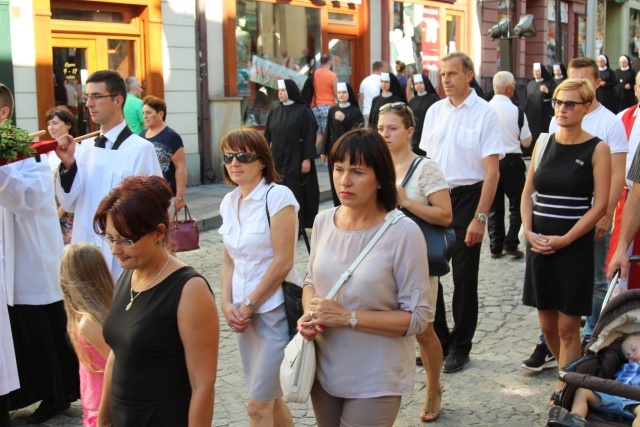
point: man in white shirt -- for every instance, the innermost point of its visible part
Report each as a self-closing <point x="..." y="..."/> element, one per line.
<point x="30" y="252"/>
<point x="514" y="130"/>
<point x="369" y="89"/>
<point x="602" y="123"/>
<point x="88" y="173"/>
<point x="460" y="135"/>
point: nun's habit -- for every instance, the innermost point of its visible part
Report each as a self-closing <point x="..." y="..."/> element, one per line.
<point x="291" y="132"/>
<point x="559" y="73"/>
<point x="336" y="128"/>
<point x="537" y="106"/>
<point x="419" y="104"/>
<point x="473" y="84"/>
<point x="606" y="94"/>
<point x="396" y="94"/>
<point x="624" y="76"/>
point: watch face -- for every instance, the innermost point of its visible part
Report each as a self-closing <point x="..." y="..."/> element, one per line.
<point x="353" y="321"/>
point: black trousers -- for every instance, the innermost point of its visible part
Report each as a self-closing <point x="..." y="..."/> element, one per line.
<point x="465" y="264"/>
<point x="511" y="184"/>
<point x="47" y="363"/>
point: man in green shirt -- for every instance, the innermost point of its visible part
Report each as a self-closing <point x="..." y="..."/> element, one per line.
<point x="133" y="105"/>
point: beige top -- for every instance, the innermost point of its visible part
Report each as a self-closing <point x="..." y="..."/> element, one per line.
<point x="356" y="364"/>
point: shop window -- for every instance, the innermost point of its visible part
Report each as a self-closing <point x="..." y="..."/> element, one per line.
<point x="634" y="32"/>
<point x="551" y="34"/>
<point x="88" y="15"/>
<point x="601" y="11"/>
<point x="273" y="41"/>
<point x="416" y="38"/>
<point x="582" y="36"/>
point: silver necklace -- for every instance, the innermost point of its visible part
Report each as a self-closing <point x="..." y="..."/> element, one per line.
<point x="145" y="288"/>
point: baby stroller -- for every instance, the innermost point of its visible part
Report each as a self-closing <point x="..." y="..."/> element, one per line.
<point x="603" y="358"/>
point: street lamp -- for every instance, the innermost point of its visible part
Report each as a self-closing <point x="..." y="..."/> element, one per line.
<point x="506" y="32"/>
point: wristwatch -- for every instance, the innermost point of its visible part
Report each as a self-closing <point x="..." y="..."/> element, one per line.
<point x="481" y="217"/>
<point x="249" y="303"/>
<point x="353" y="322"/>
<point x="180" y="198"/>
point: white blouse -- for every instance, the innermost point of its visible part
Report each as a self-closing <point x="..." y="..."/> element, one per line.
<point x="247" y="239"/>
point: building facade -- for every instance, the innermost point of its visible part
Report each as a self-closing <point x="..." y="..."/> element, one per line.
<point x="216" y="62"/>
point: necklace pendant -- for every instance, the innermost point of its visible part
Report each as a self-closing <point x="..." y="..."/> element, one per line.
<point x="129" y="305"/>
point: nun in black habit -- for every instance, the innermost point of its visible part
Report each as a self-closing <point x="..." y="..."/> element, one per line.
<point x="606" y="93"/>
<point x="291" y="130"/>
<point x="537" y="105"/>
<point x="424" y="96"/>
<point x="626" y="77"/>
<point x="340" y="119"/>
<point x="390" y="92"/>
<point x="559" y="73"/>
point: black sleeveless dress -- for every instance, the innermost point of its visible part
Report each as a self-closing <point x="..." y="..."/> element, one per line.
<point x="564" y="181"/>
<point x="150" y="383"/>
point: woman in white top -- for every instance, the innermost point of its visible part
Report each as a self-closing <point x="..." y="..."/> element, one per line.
<point x="426" y="195"/>
<point x="364" y="337"/>
<point x="258" y="256"/>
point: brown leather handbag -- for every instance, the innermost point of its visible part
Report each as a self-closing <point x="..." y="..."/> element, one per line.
<point x="185" y="235"/>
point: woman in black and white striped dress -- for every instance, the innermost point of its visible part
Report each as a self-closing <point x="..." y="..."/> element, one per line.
<point x="572" y="184"/>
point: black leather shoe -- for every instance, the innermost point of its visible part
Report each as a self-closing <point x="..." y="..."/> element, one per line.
<point x="454" y="362"/>
<point x="419" y="361"/>
<point x="44" y="413"/>
<point x="496" y="256"/>
<point x="516" y="253"/>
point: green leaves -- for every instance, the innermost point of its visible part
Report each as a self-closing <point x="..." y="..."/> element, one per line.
<point x="14" y="142"/>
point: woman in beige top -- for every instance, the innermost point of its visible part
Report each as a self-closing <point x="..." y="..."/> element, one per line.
<point x="426" y="195"/>
<point x="364" y="337"/>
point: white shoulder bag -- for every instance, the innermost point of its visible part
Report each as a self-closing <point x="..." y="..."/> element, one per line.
<point x="298" y="368"/>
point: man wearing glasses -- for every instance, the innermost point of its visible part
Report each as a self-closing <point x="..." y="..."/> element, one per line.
<point x="459" y="133"/>
<point x="90" y="171"/>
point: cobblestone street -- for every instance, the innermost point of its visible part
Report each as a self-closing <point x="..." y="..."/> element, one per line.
<point x="491" y="391"/>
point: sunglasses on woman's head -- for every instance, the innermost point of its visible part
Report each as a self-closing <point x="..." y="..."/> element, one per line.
<point x="241" y="156"/>
<point x="397" y="106"/>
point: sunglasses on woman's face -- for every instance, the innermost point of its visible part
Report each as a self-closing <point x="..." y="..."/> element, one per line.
<point x="569" y="105"/>
<point x="240" y="156"/>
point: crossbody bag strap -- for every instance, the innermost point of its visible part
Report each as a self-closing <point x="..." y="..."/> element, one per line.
<point x="391" y="218"/>
<point x="412" y="169"/>
<point x="266" y="204"/>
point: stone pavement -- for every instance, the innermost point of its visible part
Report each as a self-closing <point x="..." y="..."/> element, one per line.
<point x="491" y="391"/>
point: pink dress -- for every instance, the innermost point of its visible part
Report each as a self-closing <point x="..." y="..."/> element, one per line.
<point x="91" y="380"/>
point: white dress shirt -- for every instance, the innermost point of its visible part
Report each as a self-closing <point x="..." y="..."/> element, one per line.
<point x="458" y="138"/>
<point x="605" y="125"/>
<point x="247" y="239"/>
<point x="510" y="132"/>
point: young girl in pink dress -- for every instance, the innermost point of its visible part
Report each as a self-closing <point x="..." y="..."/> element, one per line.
<point x="87" y="288"/>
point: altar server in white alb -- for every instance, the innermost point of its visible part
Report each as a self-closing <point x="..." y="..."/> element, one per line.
<point x="31" y="248"/>
<point x="90" y="171"/>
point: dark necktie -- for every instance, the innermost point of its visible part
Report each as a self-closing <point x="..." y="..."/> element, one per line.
<point x="100" y="141"/>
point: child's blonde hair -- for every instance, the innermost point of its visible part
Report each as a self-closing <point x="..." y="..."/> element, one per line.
<point x="87" y="288"/>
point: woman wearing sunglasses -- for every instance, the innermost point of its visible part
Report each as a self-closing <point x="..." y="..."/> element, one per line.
<point x="163" y="326"/>
<point x="425" y="194"/>
<point x="571" y="182"/>
<point x="259" y="229"/>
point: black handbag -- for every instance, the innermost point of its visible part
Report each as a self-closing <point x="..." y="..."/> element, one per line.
<point x="440" y="240"/>
<point x="292" y="292"/>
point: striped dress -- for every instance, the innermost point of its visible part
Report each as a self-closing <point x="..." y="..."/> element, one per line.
<point x="564" y="182"/>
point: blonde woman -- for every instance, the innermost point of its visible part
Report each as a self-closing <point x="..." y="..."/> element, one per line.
<point x="572" y="181"/>
<point x="87" y="288"/>
<point x="426" y="194"/>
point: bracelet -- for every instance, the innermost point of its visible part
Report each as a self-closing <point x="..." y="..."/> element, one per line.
<point x="180" y="198"/>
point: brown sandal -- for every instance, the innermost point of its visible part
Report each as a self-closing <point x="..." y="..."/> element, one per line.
<point x="428" y="411"/>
